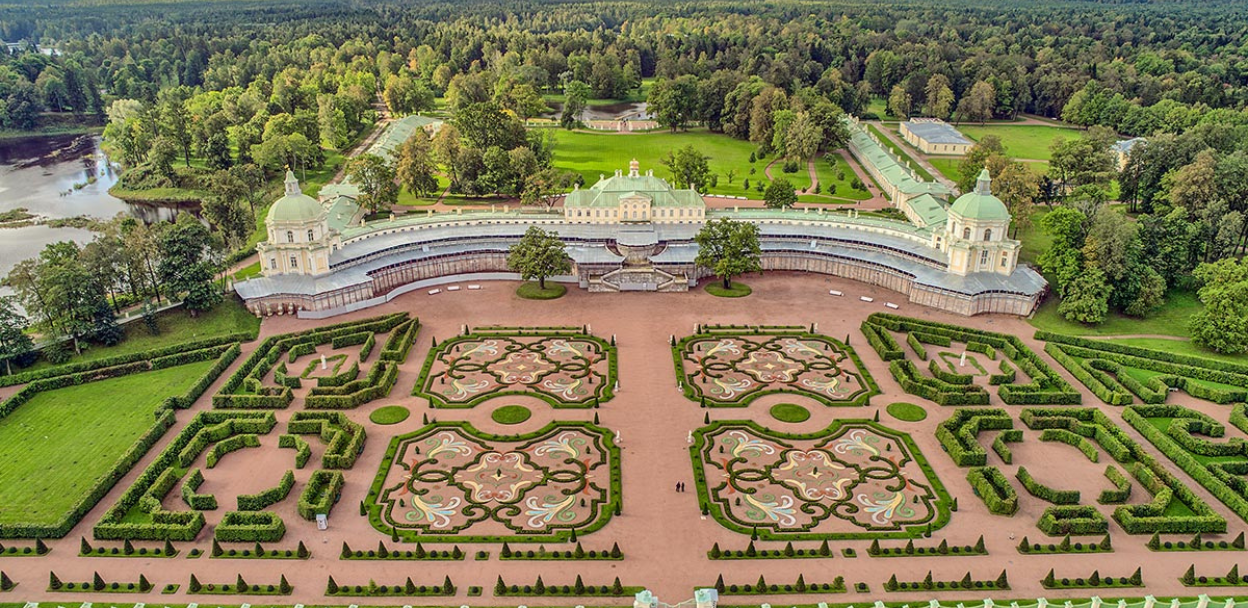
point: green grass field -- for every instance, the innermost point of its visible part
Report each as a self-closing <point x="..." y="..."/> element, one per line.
<point x="176" y="326"/>
<point x="59" y="443"/>
<point x="1022" y="141"/>
<point x="1170" y="320"/>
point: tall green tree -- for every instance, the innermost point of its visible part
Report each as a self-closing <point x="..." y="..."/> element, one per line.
<point x="575" y="99"/>
<point x="376" y="180"/>
<point x="187" y="266"/>
<point x="539" y="255"/>
<point x="689" y="167"/>
<point x="728" y="248"/>
<point x="414" y="165"/>
<point x="779" y="194"/>
<point x="14" y="342"/>
<point x="1222" y="325"/>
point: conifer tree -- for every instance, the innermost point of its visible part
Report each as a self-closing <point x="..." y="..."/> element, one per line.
<point x="331" y="587"/>
<point x="54" y="582"/>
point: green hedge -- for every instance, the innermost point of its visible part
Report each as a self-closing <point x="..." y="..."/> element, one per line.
<point x="143" y="357"/>
<point x="231" y="444"/>
<point x="321" y="493"/>
<point x="1001" y="447"/>
<point x="916" y="345"/>
<point x="1122" y="487"/>
<point x="176" y="525"/>
<point x="1043" y="492"/>
<point x="991" y="485"/>
<point x="958" y="435"/>
<point x="269" y="497"/>
<point x="1076" y="520"/>
<point x="250" y="527"/>
<point x="342" y="378"/>
<point x="302" y="451"/>
<point x="190" y="494"/>
<point x="1073" y="440"/>
<point x="934" y="389"/>
<point x="367" y="348"/>
<point x="344" y="437"/>
<point x="939" y="373"/>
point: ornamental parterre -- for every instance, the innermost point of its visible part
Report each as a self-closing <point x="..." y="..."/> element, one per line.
<point x="851" y="480"/>
<point x="734" y="365"/>
<point x="564" y="367"/>
<point x="450" y="480"/>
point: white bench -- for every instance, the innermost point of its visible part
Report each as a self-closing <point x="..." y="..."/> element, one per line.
<point x="473" y="287"/>
<point x="866" y="299"/>
<point x="434" y="292"/>
<point x="835" y="293"/>
<point x="891" y="305"/>
<point x="453" y="288"/>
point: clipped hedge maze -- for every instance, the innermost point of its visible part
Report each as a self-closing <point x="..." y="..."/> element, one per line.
<point x="945" y="387"/>
<point x="1186" y="436"/>
<point x="139" y="515"/>
<point x="448" y="480"/>
<point x="959" y="435"/>
<point x="856" y="479"/>
<point x="1119" y="374"/>
<point x="223" y="354"/>
<point x="731" y="365"/>
<point x="1174" y="507"/>
<point x="246" y="389"/>
<point x="564" y="366"/>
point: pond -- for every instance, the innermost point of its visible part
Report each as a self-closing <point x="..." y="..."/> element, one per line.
<point x="632" y="110"/>
<point x="59" y="176"/>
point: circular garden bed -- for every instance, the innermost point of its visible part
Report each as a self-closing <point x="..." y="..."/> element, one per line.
<point x="734" y="290"/>
<point x="906" y="412"/>
<point x="790" y="412"/>
<point x="390" y="414"/>
<point x="511" y="414"/>
<point x="532" y="291"/>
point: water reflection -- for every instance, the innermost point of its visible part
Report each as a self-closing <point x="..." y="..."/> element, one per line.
<point x="59" y="176"/>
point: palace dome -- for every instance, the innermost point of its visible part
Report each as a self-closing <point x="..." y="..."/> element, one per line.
<point x="980" y="204"/>
<point x="295" y="206"/>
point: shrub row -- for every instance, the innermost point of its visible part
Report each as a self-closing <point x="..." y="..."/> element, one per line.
<point x="1094" y="581"/>
<point x="376" y="385"/>
<point x="321" y="493"/>
<point x="959" y="434"/>
<point x="1223" y="480"/>
<point x="231" y="444"/>
<point x="1065" y="546"/>
<point x="342" y="378"/>
<point x="190" y="494"/>
<point x="250" y="526"/>
<point x="1177" y="375"/>
<point x="302" y="451"/>
<point x="916" y="345"/>
<point x="1043" y="492"/>
<point x="927" y="584"/>
<point x="939" y="373"/>
<point x="1072" y="519"/>
<point x="875" y="550"/>
<point x="1001" y="447"/>
<point x="169" y="525"/>
<point x="271" y="496"/>
<point x="934" y="389"/>
<point x="990" y="484"/>
<point x="1071" y="439"/>
<point x="1006" y="376"/>
<point x="85" y="368"/>
<point x="1146" y="353"/>
<point x="344" y="437"/>
<point x="367" y="348"/>
<point x="282" y="376"/>
<point x="1122" y="487"/>
<point x="400" y="341"/>
<point x="352" y="339"/>
<point x="882" y="342"/>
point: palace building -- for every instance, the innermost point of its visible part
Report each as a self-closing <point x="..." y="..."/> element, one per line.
<point x="633" y="231"/>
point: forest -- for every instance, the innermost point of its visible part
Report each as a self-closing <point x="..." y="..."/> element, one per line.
<point x="216" y="98"/>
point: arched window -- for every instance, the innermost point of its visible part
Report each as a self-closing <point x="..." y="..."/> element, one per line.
<point x="290" y="236"/>
<point x="966" y="233"/>
<point x="988" y="234"/>
<point x="294" y="262"/>
<point x="311" y="236"/>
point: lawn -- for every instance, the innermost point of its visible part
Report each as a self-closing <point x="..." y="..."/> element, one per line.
<point x="902" y="154"/>
<point x="176" y="326"/>
<point x="1022" y="141"/>
<point x="832" y="170"/>
<point x="56" y="446"/>
<point x="594" y="154"/>
<point x="949" y="167"/>
<point x="1170" y="320"/>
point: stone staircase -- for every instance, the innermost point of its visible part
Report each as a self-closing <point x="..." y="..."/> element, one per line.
<point x="646" y="278"/>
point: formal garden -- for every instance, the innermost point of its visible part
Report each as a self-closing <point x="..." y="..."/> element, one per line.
<point x="497" y="450"/>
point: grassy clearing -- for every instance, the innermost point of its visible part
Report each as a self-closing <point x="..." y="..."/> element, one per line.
<point x="1170" y="320"/>
<point x="58" y="444"/>
<point x="832" y="170"/>
<point x="176" y="326"/>
<point x="901" y="153"/>
<point x="533" y="291"/>
<point x="595" y="154"/>
<point x="790" y="412"/>
<point x="1023" y="141"/>
<point x="735" y="289"/>
<point x="390" y="414"/>
<point x="907" y="412"/>
<point x="511" y="414"/>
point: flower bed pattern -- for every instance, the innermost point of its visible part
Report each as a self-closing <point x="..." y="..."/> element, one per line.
<point x="733" y="365"/>
<point x="562" y="365"/>
<point x="856" y="479"/>
<point x="450" y="480"/>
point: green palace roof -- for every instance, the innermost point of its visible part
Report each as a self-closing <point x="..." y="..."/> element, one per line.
<point x="295" y="206"/>
<point x="608" y="192"/>
<point x="980" y="204"/>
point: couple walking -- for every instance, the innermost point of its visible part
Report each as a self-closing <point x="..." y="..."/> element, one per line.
<point x="680" y="486"/>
